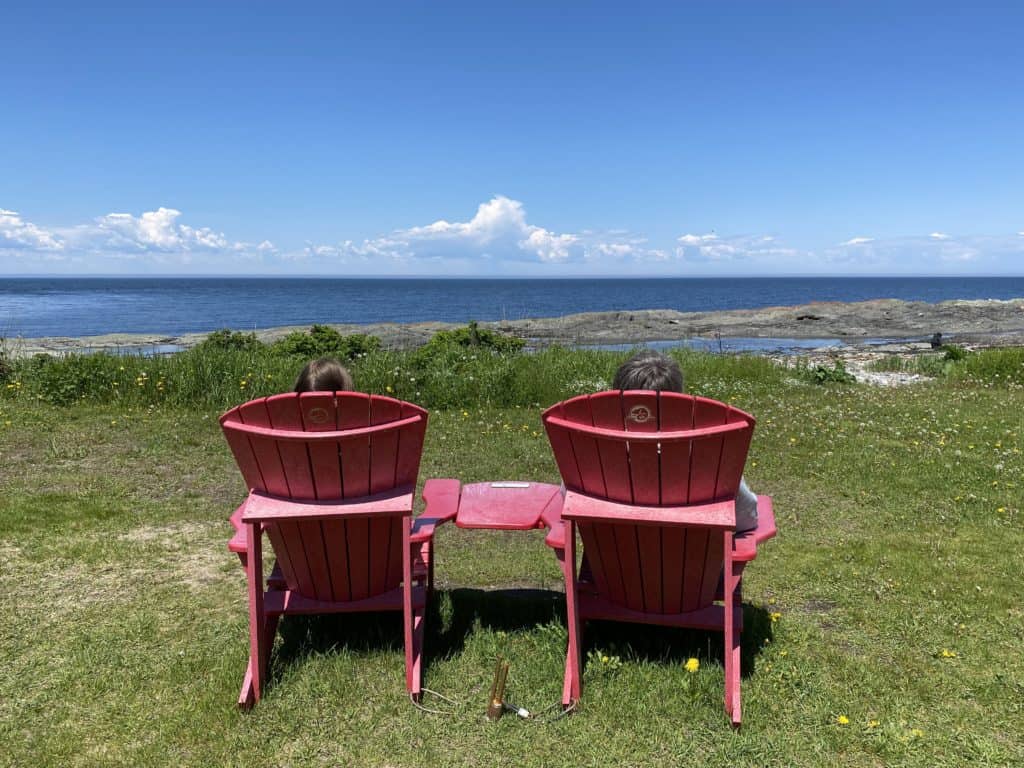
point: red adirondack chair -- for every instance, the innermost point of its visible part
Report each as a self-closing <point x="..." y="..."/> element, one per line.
<point x="331" y="479"/>
<point x="650" y="481"/>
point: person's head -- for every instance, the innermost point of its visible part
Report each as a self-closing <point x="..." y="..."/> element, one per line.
<point x="324" y="375"/>
<point x="649" y="370"/>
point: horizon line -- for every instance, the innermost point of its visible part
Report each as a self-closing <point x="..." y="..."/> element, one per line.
<point x="316" y="276"/>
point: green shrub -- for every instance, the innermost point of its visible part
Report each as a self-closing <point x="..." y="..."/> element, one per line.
<point x="324" y="341"/>
<point x="473" y="336"/>
<point x="822" y="374"/>
<point x="226" y="339"/>
<point x="953" y="353"/>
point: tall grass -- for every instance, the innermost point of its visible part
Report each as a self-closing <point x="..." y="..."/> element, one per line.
<point x="993" y="367"/>
<point x="442" y="375"/>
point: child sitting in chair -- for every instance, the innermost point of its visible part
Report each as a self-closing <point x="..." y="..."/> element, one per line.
<point x="654" y="371"/>
<point x="324" y="375"/>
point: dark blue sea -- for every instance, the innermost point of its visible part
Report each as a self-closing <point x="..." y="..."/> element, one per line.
<point x="33" y="307"/>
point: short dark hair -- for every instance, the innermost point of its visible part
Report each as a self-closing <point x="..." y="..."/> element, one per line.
<point x="648" y="369"/>
<point x="324" y="374"/>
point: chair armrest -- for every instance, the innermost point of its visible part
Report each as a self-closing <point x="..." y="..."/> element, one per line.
<point x="237" y="542"/>
<point x="551" y="517"/>
<point x="717" y="514"/>
<point x="442" y="498"/>
<point x="745" y="544"/>
<point x="262" y="507"/>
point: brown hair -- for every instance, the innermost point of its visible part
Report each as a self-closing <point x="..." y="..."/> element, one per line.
<point x="648" y="369"/>
<point x="324" y="375"/>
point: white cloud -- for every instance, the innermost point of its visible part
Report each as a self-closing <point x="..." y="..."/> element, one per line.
<point x="16" y="233"/>
<point x="697" y="239"/>
<point x="710" y="248"/>
<point x="498" y="235"/>
<point x="497" y="239"/>
<point x="157" y="230"/>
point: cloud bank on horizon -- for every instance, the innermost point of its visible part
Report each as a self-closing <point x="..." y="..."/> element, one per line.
<point x="497" y="240"/>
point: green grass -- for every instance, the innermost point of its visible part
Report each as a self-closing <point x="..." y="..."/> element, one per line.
<point x="124" y="625"/>
<point x="999" y="367"/>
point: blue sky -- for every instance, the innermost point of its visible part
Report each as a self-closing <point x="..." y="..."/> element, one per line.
<point x="448" y="138"/>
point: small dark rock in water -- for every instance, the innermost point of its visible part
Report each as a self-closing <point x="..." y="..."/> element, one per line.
<point x="936" y="341"/>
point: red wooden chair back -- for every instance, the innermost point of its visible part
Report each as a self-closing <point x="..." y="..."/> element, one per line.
<point x="657" y="450"/>
<point x="330" y="447"/>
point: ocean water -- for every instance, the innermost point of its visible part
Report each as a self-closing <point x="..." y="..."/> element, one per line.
<point x="35" y="307"/>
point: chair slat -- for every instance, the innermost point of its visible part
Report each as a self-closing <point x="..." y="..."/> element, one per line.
<point x="379" y="544"/>
<point x="353" y="413"/>
<point x="313" y="548"/>
<point x="588" y="458"/>
<point x="288" y="535"/>
<point x="673" y="414"/>
<point x="706" y="454"/>
<point x="561" y="446"/>
<point x="319" y="413"/>
<point x="640" y="414"/>
<point x="336" y="548"/>
<point x="693" y="567"/>
<point x="383" y="447"/>
<point x="629" y="563"/>
<point x="673" y="550"/>
<point x="649" y="547"/>
<point x="734" y="455"/>
<point x="713" y="559"/>
<point x="283" y="412"/>
<point x="394" y="552"/>
<point x="602" y="538"/>
<point x="359" y="557"/>
<point x="606" y="411"/>
<point x="264" y="449"/>
<point x="410" y="446"/>
<point x="242" y="451"/>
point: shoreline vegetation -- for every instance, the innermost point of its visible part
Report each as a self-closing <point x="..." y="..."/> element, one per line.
<point x="990" y="322"/>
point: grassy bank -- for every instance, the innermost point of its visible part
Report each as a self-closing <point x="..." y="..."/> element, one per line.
<point x="884" y="624"/>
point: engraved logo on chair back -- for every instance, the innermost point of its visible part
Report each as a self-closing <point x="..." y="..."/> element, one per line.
<point x="654" y="569"/>
<point x="366" y="453"/>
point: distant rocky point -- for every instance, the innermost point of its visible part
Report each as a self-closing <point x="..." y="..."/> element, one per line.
<point x="977" y="322"/>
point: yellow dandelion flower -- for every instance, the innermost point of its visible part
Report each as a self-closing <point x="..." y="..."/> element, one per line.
<point x="775" y="616"/>
<point x="604" y="659"/>
<point x="692" y="665"/>
<point x="916" y="733"/>
<point x="843" y="720"/>
<point x="873" y="723"/>
<point x="948" y="654"/>
<point x="388" y="389"/>
<point x="1001" y="509"/>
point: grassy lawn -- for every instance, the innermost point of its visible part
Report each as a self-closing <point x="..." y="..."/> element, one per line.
<point x="884" y="623"/>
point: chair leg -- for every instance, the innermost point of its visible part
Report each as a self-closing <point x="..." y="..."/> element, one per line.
<point x="572" y="686"/>
<point x="732" y="671"/>
<point x="733" y="622"/>
<point x="412" y="619"/>
<point x="255" y="674"/>
<point x="414" y="651"/>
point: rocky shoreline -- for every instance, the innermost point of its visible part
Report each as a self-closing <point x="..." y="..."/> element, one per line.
<point x="907" y="324"/>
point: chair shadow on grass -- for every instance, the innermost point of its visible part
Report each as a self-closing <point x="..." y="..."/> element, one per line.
<point x="451" y="618"/>
<point x="454" y="614"/>
<point x="672" y="645"/>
